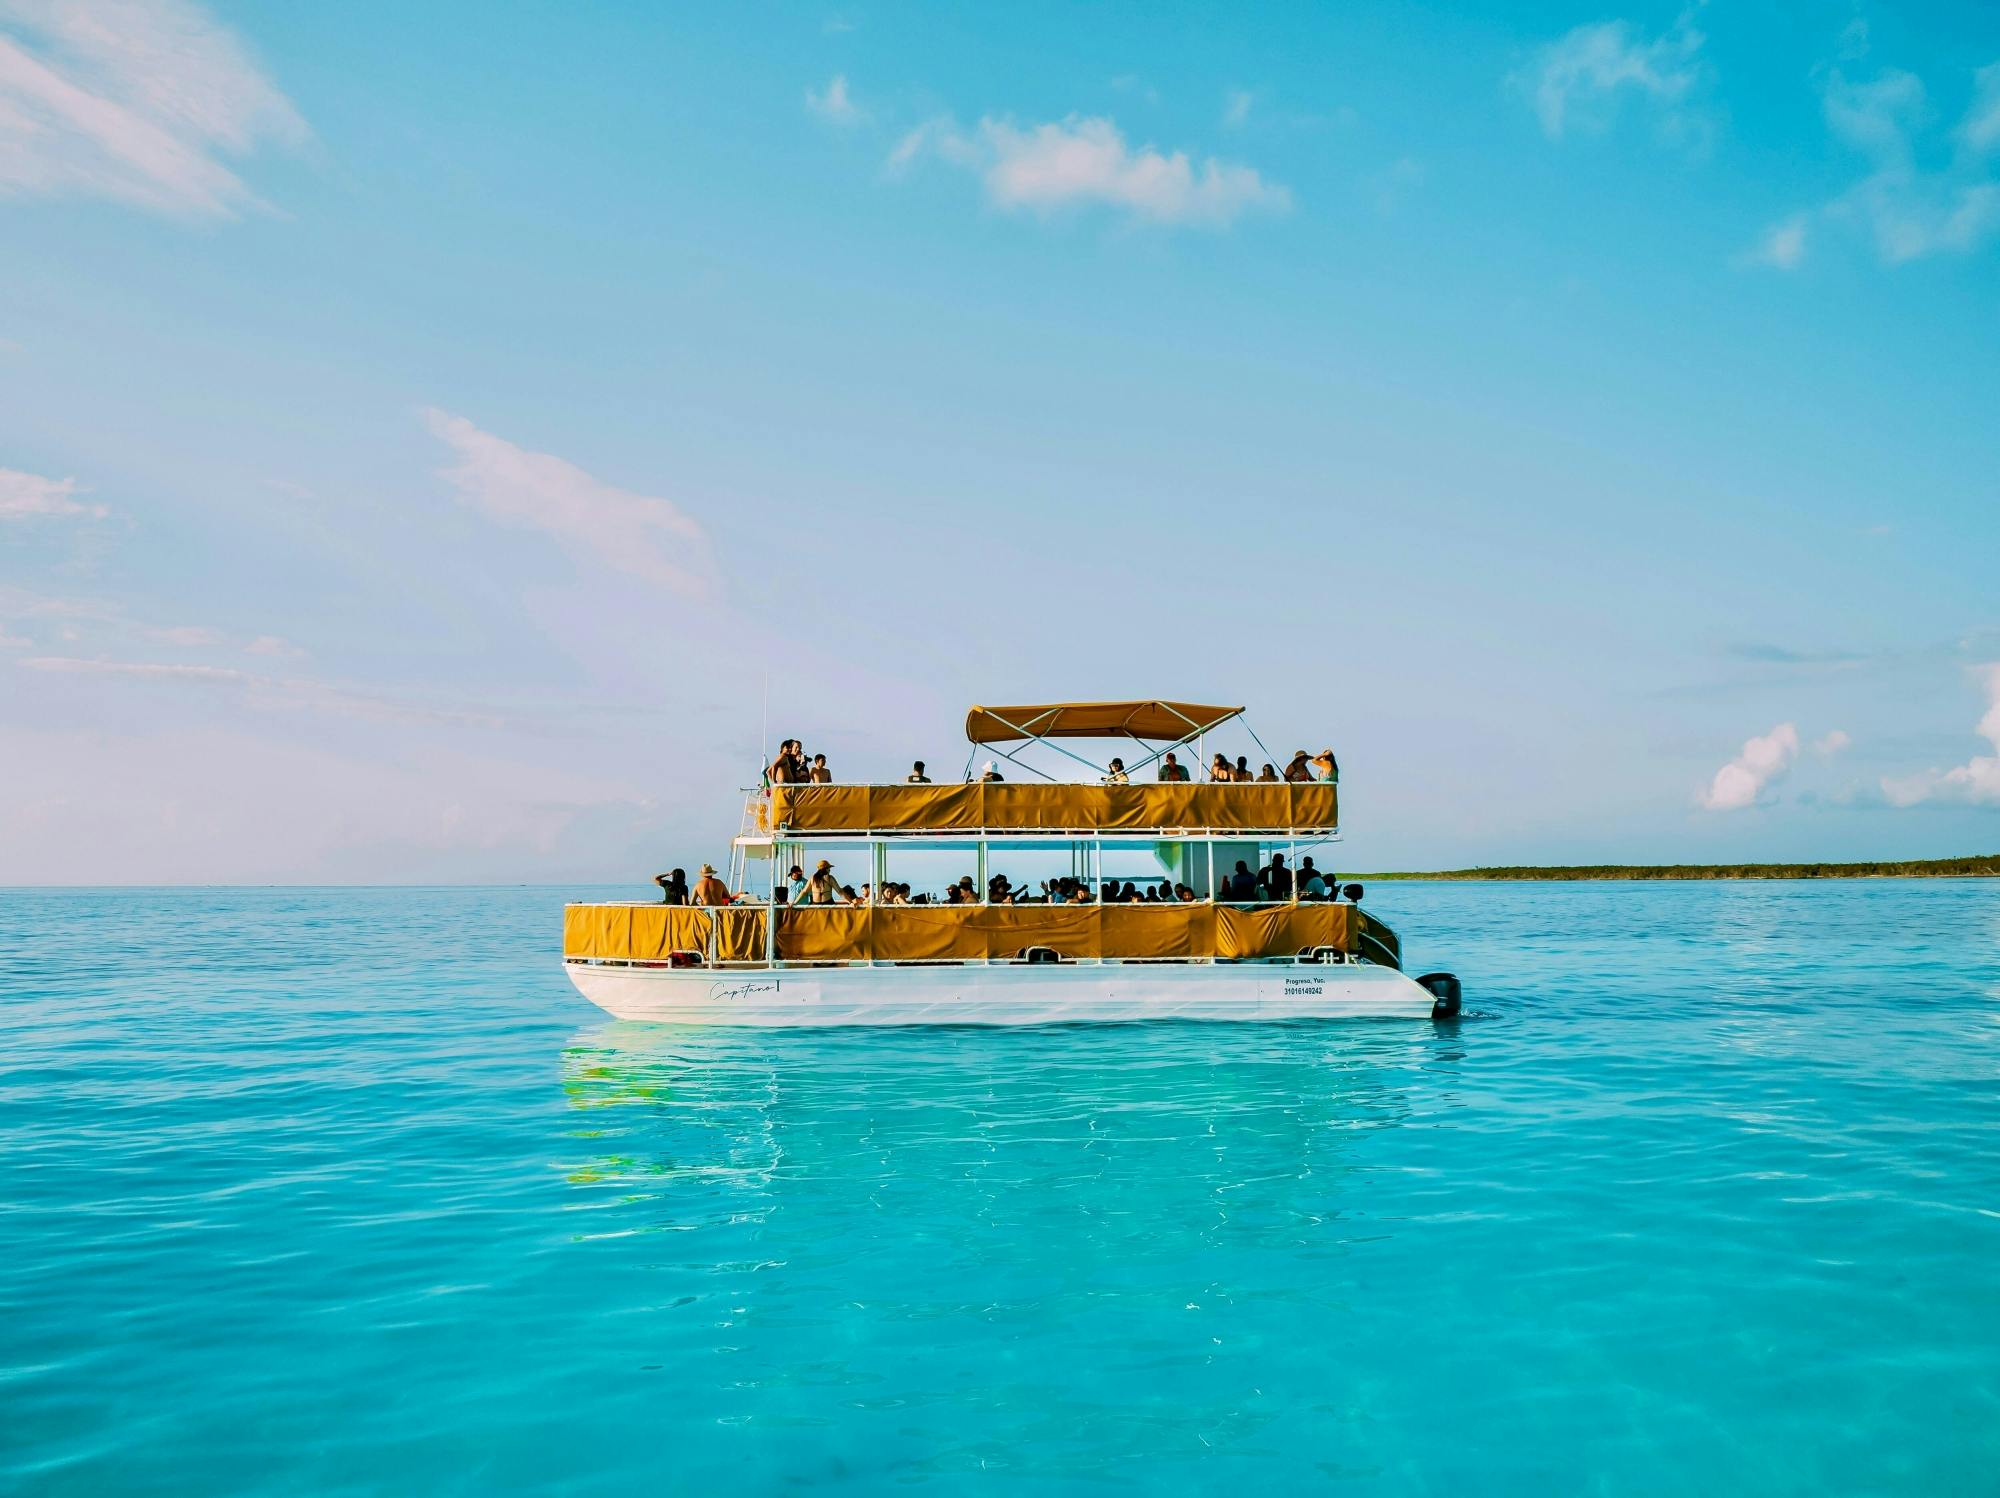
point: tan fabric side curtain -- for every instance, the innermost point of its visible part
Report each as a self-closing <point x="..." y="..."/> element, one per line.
<point x="1281" y="930"/>
<point x="1009" y="930"/>
<point x="927" y="808"/>
<point x="739" y="933"/>
<point x="579" y="931"/>
<point x="1159" y="930"/>
<point x="1267" y="805"/>
<point x="820" y="808"/>
<point x="1051" y="806"/>
<point x="1031" y="806"/>
<point x="917" y="933"/>
<point x="1314" y="806"/>
<point x="823" y="933"/>
<point x="607" y="930"/>
<point x="640" y="933"/>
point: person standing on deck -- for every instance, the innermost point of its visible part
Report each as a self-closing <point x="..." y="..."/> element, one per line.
<point x="708" y="889"/>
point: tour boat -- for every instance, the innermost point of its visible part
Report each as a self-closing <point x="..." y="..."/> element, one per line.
<point x="763" y="960"/>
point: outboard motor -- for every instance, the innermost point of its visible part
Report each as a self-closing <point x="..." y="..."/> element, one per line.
<point x="1444" y="991"/>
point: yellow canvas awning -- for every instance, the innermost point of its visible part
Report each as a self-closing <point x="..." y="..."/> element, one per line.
<point x="1094" y="720"/>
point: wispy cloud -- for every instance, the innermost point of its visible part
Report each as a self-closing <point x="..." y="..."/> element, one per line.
<point x="1783" y="245"/>
<point x="1043" y="168"/>
<point x="1977" y="781"/>
<point x="1236" y="107"/>
<point x="1579" y="81"/>
<point x="133" y="100"/>
<point x="29" y="496"/>
<point x="269" y="691"/>
<point x="1911" y="203"/>
<point x="604" y="525"/>
<point x="1765" y="653"/>
<point x="110" y="625"/>
<point x="1763" y="761"/>
<point x="1832" y="743"/>
<point x="834" y="104"/>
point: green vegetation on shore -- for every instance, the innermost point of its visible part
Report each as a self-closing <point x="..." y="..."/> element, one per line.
<point x="1923" y="868"/>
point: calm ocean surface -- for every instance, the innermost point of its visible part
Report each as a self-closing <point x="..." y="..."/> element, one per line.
<point x="346" y="1191"/>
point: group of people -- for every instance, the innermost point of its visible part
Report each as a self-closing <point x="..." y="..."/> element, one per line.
<point x="708" y="889"/>
<point x="794" y="766"/>
<point x="1274" y="883"/>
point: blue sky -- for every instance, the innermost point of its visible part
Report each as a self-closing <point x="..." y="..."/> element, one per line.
<point x="425" y="431"/>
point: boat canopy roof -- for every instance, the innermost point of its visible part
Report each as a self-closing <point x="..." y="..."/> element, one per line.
<point x="1151" y="719"/>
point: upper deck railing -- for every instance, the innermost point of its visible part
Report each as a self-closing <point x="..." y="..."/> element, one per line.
<point x="1280" y="807"/>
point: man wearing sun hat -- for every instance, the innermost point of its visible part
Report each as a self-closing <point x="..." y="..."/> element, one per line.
<point x="708" y="889"/>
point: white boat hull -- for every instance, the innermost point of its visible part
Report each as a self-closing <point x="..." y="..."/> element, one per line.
<point x="1010" y="994"/>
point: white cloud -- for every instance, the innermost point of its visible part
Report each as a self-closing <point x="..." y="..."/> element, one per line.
<point x="132" y="100"/>
<point x="25" y="496"/>
<point x="1977" y="781"/>
<point x="609" y="527"/>
<point x="1980" y="129"/>
<point x="1046" y="167"/>
<point x="1578" y="80"/>
<point x="1236" y="107"/>
<point x="270" y="691"/>
<point x="1783" y="246"/>
<point x="1832" y="743"/>
<point x="1764" y="760"/>
<point x="833" y="103"/>
<point x="1910" y="209"/>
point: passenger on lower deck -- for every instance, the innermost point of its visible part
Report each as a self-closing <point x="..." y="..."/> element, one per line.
<point x="708" y="889"/>
<point x="1275" y="879"/>
<point x="673" y="887"/>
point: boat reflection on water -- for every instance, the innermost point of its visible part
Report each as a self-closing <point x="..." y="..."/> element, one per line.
<point x="1114" y="1129"/>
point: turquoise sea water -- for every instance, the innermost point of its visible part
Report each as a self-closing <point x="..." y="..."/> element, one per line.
<point x="347" y="1191"/>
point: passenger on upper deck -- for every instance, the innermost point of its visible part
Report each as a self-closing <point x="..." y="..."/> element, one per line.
<point x="673" y="887"/>
<point x="1268" y="775"/>
<point x="990" y="771"/>
<point x="1172" y="769"/>
<point x="1299" y="768"/>
<point x="1242" y="773"/>
<point x="1116" y="774"/>
<point x="709" y="890"/>
<point x="917" y="775"/>
<point x="1219" y="771"/>
<point x="789" y="767"/>
<point x="1325" y="766"/>
<point x="820" y="774"/>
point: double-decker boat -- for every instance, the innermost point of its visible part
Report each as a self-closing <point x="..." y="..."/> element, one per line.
<point x="765" y="960"/>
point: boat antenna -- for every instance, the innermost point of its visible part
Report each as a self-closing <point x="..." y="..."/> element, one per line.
<point x="764" y="730"/>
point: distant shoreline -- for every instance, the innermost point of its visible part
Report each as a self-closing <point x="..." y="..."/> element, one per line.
<point x="1925" y="868"/>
